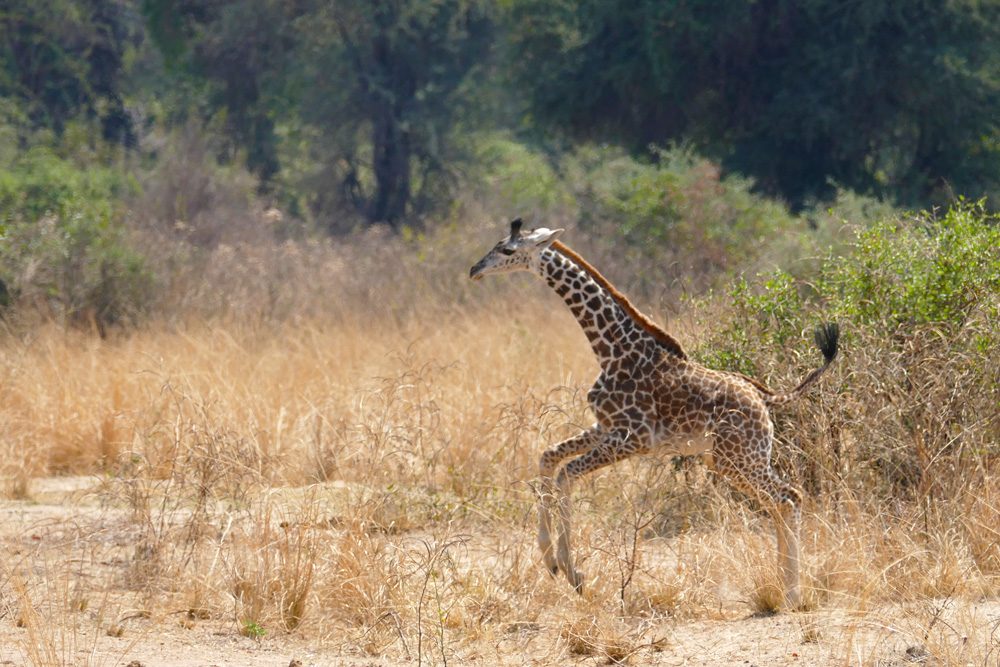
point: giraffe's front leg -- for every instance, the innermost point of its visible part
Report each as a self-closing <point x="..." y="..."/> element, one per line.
<point x="545" y="524"/>
<point x="564" y="554"/>
<point x="547" y="491"/>
<point x="613" y="446"/>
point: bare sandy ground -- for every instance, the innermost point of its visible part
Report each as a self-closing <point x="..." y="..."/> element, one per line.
<point x="42" y="536"/>
<point x="763" y="642"/>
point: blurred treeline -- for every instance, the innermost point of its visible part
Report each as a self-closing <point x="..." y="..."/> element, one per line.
<point x="675" y="125"/>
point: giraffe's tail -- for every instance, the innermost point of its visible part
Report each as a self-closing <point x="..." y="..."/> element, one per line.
<point x="827" y="337"/>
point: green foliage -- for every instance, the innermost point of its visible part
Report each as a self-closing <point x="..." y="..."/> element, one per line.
<point x="253" y="630"/>
<point x="900" y="276"/>
<point x="922" y="270"/>
<point x="674" y="221"/>
<point x="236" y="58"/>
<point x="896" y="99"/>
<point x="522" y="178"/>
<point x="678" y="203"/>
<point x="62" y="59"/>
<point x="41" y="184"/>
<point x="914" y="394"/>
<point x="389" y="91"/>
<point x="351" y="111"/>
<point x="775" y="307"/>
<point x="63" y="249"/>
<point x="355" y="95"/>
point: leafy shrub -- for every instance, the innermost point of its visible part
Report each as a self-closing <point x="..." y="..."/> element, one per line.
<point x="524" y="180"/>
<point x="64" y="251"/>
<point x="671" y="218"/>
<point x="683" y="201"/>
<point x="774" y="307"/>
<point x="918" y="300"/>
<point x="922" y="270"/>
<point x="899" y="274"/>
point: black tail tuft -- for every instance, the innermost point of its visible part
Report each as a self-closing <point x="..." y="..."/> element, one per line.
<point x="827" y="339"/>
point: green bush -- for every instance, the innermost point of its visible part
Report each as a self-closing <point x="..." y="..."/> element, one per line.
<point x="921" y="270"/>
<point x="64" y="251"/>
<point x="771" y="312"/>
<point x="524" y="180"/>
<point x="900" y="274"/>
<point x="683" y="201"/>
<point x="673" y="217"/>
<point x="913" y="399"/>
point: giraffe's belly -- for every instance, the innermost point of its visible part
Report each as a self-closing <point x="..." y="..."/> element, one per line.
<point x="687" y="444"/>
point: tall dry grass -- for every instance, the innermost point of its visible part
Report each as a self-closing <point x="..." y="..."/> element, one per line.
<point x="339" y="442"/>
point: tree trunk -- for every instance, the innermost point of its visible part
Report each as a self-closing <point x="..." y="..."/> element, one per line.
<point x="391" y="147"/>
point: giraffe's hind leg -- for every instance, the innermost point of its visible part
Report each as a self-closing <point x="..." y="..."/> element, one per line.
<point x="547" y="465"/>
<point x="612" y="447"/>
<point x="787" y="519"/>
<point x="758" y="479"/>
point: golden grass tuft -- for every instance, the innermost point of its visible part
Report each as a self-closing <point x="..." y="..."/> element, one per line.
<point x="597" y="636"/>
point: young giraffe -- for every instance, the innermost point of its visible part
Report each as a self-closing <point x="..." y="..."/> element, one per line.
<point x="649" y="395"/>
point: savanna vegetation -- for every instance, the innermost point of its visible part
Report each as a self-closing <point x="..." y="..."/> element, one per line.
<point x="254" y="410"/>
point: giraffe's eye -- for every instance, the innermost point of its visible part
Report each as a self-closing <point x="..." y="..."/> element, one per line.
<point x="507" y="251"/>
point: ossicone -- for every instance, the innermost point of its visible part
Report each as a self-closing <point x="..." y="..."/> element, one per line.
<point x="515" y="228"/>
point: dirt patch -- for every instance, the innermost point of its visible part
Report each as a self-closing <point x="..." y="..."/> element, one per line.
<point x="71" y="597"/>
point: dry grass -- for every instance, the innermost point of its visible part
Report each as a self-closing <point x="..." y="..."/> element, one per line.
<point x="362" y="480"/>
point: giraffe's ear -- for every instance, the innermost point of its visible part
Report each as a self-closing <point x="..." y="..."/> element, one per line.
<point x="543" y="236"/>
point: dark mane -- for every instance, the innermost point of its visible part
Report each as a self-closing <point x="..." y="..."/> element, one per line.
<point x="648" y="325"/>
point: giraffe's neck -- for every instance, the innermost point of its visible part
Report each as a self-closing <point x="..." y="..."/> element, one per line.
<point x="612" y="332"/>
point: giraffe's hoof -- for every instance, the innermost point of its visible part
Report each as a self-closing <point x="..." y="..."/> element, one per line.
<point x="575" y="580"/>
<point x="549" y="559"/>
<point x="793" y="604"/>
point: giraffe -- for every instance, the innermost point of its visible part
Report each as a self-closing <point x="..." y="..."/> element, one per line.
<point x="650" y="396"/>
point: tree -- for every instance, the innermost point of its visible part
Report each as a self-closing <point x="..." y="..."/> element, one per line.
<point x="60" y="59"/>
<point x="386" y="81"/>
<point x="899" y="99"/>
<point x="373" y="83"/>
<point x="235" y="54"/>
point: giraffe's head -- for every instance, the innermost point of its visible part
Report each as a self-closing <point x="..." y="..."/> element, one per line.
<point x="517" y="252"/>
